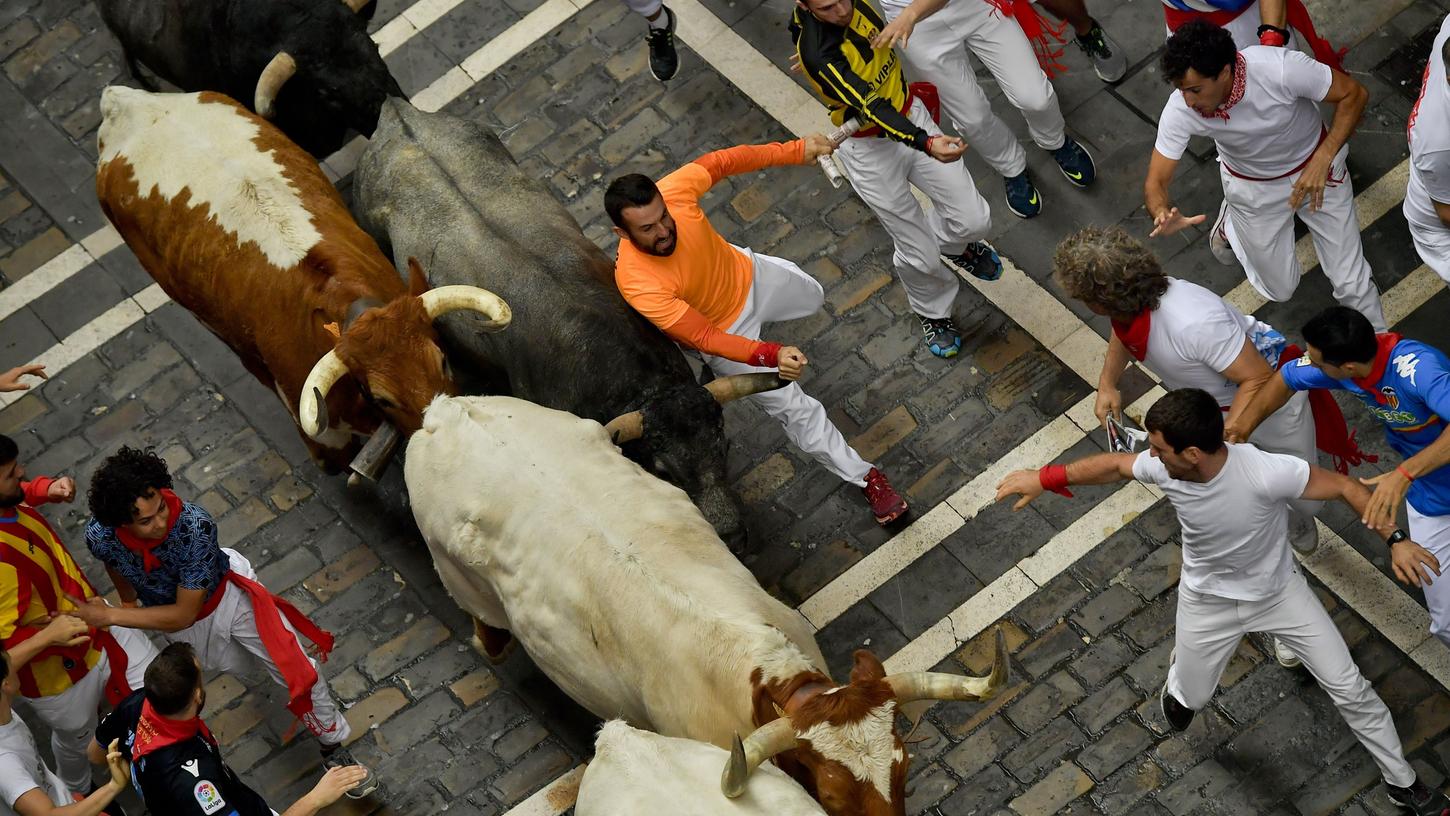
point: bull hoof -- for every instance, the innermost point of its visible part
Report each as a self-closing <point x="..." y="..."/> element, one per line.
<point x="494" y="644"/>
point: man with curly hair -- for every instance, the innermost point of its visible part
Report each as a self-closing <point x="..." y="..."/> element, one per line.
<point x="1276" y="160"/>
<point x="63" y="667"/>
<point x="175" y="578"/>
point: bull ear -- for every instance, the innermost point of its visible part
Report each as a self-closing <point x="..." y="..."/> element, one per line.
<point x="417" y="279"/>
<point x="867" y="667"/>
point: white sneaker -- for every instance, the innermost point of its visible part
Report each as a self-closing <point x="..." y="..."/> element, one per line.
<point x="1286" y="658"/>
<point x="1218" y="244"/>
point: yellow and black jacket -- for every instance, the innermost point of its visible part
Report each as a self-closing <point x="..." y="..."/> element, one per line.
<point x="853" y="78"/>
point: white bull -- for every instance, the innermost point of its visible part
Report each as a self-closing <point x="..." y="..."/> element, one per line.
<point x="624" y="596"/>
<point x="637" y="772"/>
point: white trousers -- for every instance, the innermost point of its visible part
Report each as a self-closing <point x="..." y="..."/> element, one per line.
<point x="1433" y="533"/>
<point x="1260" y="226"/>
<point x="780" y="290"/>
<point x="882" y="172"/>
<point x="644" y="7"/>
<point x="937" y="53"/>
<point x="1290" y="431"/>
<point x="1433" y="244"/>
<point x="72" y="714"/>
<point x="227" y="641"/>
<point x="1209" y="628"/>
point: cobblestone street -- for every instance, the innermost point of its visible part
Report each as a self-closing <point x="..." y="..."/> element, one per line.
<point x="1085" y="589"/>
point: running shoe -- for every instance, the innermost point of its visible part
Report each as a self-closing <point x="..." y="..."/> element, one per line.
<point x="940" y="336"/>
<point x="1022" y="197"/>
<point x="1075" y="162"/>
<point x="1109" y="62"/>
<point x="1420" y="799"/>
<point x="1286" y="658"/>
<point x="886" y="504"/>
<point x="664" y="62"/>
<point x="1178" y="715"/>
<point x="336" y="756"/>
<point x="978" y="260"/>
<point x="1218" y="242"/>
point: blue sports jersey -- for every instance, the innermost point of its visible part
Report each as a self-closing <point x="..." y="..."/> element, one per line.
<point x="1411" y="400"/>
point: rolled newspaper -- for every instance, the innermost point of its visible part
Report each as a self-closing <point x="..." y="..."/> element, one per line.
<point x="837" y="136"/>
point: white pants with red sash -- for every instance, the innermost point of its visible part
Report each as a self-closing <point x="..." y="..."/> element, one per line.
<point x="882" y="172"/>
<point x="227" y="641"/>
<point x="937" y="53"/>
<point x="72" y="714"/>
<point x="1260" y="227"/>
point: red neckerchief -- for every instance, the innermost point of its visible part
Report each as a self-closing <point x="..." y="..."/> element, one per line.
<point x="1134" y="335"/>
<point x="154" y="732"/>
<point x="144" y="546"/>
<point x="1235" y="93"/>
<point x="1387" y="343"/>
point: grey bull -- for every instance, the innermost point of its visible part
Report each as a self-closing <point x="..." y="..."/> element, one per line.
<point x="444" y="190"/>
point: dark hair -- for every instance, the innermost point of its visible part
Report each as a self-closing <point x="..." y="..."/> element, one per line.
<point x="633" y="190"/>
<point x="1107" y="267"/>
<point x="1187" y="418"/>
<point x="1200" y="45"/>
<point x="172" y="678"/>
<point x="9" y="451"/>
<point x="1342" y="335"/>
<point x="127" y="475"/>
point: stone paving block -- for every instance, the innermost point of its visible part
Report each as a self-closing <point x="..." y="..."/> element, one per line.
<point x="928" y="785"/>
<point x="1259" y="690"/>
<point x="1116" y="747"/>
<point x="1204" y="735"/>
<point x="981" y="748"/>
<point x="1050" y="649"/>
<point x="1065" y="783"/>
<point x="1150" y="668"/>
<point x="530" y="773"/>
<point x="821" y="566"/>
<point x="403" y="649"/>
<point x="1104" y="705"/>
<point x="1153" y="623"/>
<point x="1043" y="748"/>
<point x="924" y="592"/>
<point x="34" y="252"/>
<point x="1045" y="701"/>
<point x="1107" y="610"/>
<point x="287" y="571"/>
<point x="341" y="573"/>
<point x="1122" y="791"/>
<point x="1048" y="605"/>
<point x="981" y="794"/>
<point x="1112" y="558"/>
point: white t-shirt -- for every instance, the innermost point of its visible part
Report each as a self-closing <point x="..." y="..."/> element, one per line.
<point x="22" y="770"/>
<point x="1430" y="141"/>
<point x="1272" y="129"/>
<point x="1235" y="526"/>
<point x="1194" y="337"/>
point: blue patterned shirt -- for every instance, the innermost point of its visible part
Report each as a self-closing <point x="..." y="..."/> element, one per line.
<point x="190" y="557"/>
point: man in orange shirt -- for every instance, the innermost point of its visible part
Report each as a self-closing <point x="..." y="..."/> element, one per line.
<point x="66" y="668"/>
<point x="714" y="297"/>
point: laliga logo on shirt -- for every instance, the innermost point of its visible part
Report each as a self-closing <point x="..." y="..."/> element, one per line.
<point x="208" y="797"/>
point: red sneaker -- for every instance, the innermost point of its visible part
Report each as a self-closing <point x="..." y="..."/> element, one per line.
<point x="886" y="503"/>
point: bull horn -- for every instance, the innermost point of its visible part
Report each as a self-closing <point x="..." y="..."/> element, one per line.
<point x="312" y="406"/>
<point x="355" y="5"/>
<point x="273" y="77"/>
<point x="735" y="386"/>
<point x="445" y="299"/>
<point x="913" y="686"/>
<point x="775" y="737"/>
<point x="626" y="427"/>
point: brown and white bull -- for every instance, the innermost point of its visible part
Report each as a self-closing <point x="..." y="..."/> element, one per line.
<point x="621" y="592"/>
<point x="240" y="226"/>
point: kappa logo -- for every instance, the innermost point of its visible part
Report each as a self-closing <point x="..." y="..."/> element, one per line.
<point x="208" y="797"/>
<point x="1304" y="361"/>
<point x="1405" y="366"/>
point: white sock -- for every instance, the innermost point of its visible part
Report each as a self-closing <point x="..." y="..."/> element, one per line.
<point x="660" y="21"/>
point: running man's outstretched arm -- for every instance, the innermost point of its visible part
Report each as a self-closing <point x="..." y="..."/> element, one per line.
<point x="1102" y="468"/>
<point x="1413" y="564"/>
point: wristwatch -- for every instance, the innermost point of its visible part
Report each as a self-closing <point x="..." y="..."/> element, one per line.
<point x="1396" y="537"/>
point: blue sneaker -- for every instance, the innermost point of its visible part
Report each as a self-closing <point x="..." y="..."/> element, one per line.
<point x="1075" y="163"/>
<point x="1022" y="198"/>
<point x="978" y="260"/>
<point x="941" y="336"/>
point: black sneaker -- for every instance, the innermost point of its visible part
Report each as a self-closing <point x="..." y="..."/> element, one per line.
<point x="940" y="336"/>
<point x="663" y="61"/>
<point x="1109" y="63"/>
<point x="1075" y="162"/>
<point x="1420" y="799"/>
<point x="336" y="756"/>
<point x="978" y="260"/>
<point x="1178" y="715"/>
<point x="1022" y="198"/>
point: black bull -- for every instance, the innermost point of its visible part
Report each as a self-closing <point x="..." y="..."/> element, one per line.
<point x="338" y="82"/>
<point x="443" y="190"/>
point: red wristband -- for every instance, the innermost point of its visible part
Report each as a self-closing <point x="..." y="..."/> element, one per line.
<point x="1054" y="478"/>
<point x="766" y="355"/>
<point x="1273" y="38"/>
<point x="928" y="144"/>
<point x="1405" y="473"/>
